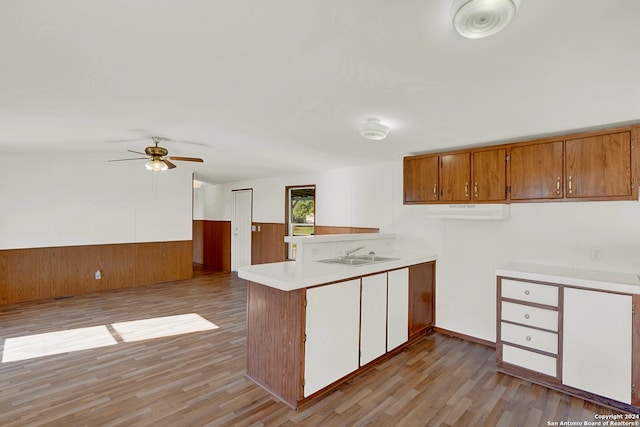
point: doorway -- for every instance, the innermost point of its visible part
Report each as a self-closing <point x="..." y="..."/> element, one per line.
<point x="241" y="228"/>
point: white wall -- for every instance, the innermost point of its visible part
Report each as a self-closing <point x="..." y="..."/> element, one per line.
<point x="469" y="250"/>
<point x="64" y="200"/>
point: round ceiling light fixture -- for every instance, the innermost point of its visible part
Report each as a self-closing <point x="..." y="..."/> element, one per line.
<point x="374" y="130"/>
<point x="476" y="19"/>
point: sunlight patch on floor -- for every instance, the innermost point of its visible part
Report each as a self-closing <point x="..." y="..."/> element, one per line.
<point x="50" y="343"/>
<point x="159" y="327"/>
<point x="38" y="345"/>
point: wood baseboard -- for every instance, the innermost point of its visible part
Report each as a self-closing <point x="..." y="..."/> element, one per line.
<point x="465" y="337"/>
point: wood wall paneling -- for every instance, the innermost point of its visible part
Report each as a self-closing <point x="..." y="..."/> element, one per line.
<point x="267" y="242"/>
<point x="163" y="262"/>
<point x="329" y="229"/>
<point x="41" y="273"/>
<point x="274" y="335"/>
<point x="216" y="237"/>
<point x="197" y="235"/>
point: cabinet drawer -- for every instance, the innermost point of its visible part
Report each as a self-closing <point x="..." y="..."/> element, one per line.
<point x="529" y="360"/>
<point x="530" y="292"/>
<point x="527" y="337"/>
<point x="528" y="315"/>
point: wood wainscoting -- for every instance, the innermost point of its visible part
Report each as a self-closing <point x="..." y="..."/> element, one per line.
<point x="267" y="239"/>
<point x="212" y="241"/>
<point x="217" y="245"/>
<point x="41" y="273"/>
<point x="330" y="229"/>
<point x="267" y="242"/>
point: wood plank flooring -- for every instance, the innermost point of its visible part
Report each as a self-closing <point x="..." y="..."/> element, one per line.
<point x="197" y="379"/>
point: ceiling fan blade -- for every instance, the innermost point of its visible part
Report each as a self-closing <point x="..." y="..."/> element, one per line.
<point x="169" y="164"/>
<point x="123" y="160"/>
<point x="137" y="152"/>
<point x="186" y="159"/>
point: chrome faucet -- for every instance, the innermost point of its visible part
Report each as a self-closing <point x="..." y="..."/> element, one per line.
<point x="350" y="252"/>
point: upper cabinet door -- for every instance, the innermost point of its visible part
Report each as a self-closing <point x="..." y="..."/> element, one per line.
<point x="489" y="175"/>
<point x="455" y="177"/>
<point x="599" y="166"/>
<point x="536" y="171"/>
<point x="421" y="179"/>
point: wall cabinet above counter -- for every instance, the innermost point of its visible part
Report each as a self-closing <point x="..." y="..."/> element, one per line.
<point x="596" y="165"/>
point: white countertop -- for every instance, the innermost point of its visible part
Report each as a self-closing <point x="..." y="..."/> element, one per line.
<point x="292" y="275"/>
<point x="628" y="283"/>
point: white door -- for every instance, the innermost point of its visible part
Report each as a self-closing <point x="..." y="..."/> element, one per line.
<point x="398" y="308"/>
<point x="596" y="348"/>
<point x="241" y="229"/>
<point x="332" y="332"/>
<point x="373" y="324"/>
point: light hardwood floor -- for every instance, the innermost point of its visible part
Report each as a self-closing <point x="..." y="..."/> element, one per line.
<point x="197" y="379"/>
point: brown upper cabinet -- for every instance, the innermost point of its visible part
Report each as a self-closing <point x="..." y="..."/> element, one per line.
<point x="455" y="174"/>
<point x="489" y="171"/>
<point x="421" y="179"/>
<point x="597" y="165"/>
<point x="536" y="171"/>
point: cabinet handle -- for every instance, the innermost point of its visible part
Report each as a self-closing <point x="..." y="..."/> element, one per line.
<point x="527" y="292"/>
<point x="528" y="338"/>
<point x="475" y="189"/>
<point x="570" y="185"/>
<point x="558" y="186"/>
<point x="435" y="191"/>
<point x="526" y="316"/>
<point x="466" y="190"/>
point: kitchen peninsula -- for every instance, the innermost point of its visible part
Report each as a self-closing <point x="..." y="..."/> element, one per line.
<point x="346" y="303"/>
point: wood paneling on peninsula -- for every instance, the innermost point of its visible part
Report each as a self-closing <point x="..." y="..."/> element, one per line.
<point x="41" y="273"/>
<point x="422" y="298"/>
<point x="275" y="316"/>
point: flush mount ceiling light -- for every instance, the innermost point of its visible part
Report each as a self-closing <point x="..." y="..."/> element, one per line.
<point x="374" y="130"/>
<point x="476" y="19"/>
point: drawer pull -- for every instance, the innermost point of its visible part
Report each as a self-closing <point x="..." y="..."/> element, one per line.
<point x="527" y="292"/>
<point x="526" y="316"/>
<point x="528" y="338"/>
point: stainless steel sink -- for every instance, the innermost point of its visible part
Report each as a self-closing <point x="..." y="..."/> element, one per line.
<point x="375" y="258"/>
<point x="357" y="260"/>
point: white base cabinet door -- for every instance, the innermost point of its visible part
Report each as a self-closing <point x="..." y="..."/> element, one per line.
<point x="397" y="308"/>
<point x="596" y="349"/>
<point x="373" y="325"/>
<point x="332" y="334"/>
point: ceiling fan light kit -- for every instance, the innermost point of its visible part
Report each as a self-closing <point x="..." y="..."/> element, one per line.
<point x="156" y="165"/>
<point x="158" y="157"/>
<point x="374" y="130"/>
<point x="476" y="19"/>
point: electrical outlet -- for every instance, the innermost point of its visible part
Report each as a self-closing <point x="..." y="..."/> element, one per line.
<point x="98" y="275"/>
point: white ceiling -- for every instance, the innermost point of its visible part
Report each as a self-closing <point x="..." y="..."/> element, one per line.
<point x="277" y="87"/>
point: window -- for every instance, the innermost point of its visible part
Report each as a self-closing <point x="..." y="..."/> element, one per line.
<point x="301" y="213"/>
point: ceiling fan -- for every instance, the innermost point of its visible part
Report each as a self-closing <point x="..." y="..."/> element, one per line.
<point x="159" y="159"/>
